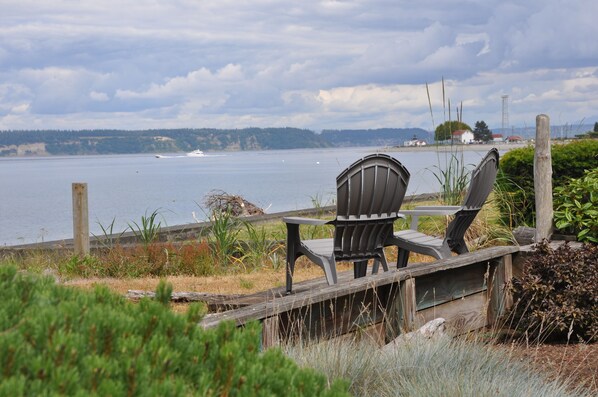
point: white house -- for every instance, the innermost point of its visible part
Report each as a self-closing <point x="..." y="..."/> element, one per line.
<point x="414" y="143"/>
<point x="497" y="138"/>
<point x="463" y="136"/>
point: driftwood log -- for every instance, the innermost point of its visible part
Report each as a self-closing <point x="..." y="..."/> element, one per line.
<point x="214" y="302"/>
<point x="524" y="235"/>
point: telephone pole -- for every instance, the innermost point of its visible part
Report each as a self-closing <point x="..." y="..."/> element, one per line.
<point x="505" y="113"/>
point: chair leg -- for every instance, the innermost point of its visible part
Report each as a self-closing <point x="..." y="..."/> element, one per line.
<point x="402" y="258"/>
<point x="460" y="248"/>
<point x="292" y="238"/>
<point x="377" y="262"/>
<point x="360" y="269"/>
<point x="384" y="263"/>
<point x="290" y="269"/>
<point x="330" y="271"/>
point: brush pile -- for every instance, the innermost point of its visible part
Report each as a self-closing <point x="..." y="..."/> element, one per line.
<point x="220" y="201"/>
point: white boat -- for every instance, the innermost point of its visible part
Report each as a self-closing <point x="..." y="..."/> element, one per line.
<point x="195" y="153"/>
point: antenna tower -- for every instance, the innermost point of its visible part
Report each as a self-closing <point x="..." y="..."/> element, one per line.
<point x="505" y="113"/>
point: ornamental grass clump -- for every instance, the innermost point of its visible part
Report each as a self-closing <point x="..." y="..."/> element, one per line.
<point x="421" y="367"/>
<point x="56" y="340"/>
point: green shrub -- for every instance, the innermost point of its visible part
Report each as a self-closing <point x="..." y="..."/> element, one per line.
<point x="577" y="207"/>
<point x="56" y="340"/>
<point x="557" y="295"/>
<point x="516" y="177"/>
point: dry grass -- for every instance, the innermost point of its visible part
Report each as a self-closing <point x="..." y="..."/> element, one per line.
<point x="226" y="284"/>
<point x="248" y="283"/>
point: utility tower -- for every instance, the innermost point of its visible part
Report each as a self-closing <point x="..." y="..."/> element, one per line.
<point x="505" y="113"/>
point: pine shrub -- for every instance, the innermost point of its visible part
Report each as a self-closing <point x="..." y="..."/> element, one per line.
<point x="557" y="295"/>
<point x="56" y="340"/>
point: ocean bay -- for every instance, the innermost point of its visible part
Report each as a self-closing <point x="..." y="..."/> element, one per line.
<point x="36" y="201"/>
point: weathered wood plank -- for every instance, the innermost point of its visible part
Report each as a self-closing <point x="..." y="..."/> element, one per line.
<point x="508" y="277"/>
<point x="437" y="288"/>
<point x="326" y="293"/>
<point x="408" y="306"/>
<point x="270" y="332"/>
<point x="337" y="316"/>
<point x="500" y="298"/>
<point x="461" y="315"/>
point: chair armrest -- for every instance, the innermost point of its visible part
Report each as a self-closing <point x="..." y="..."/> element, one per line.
<point x="449" y="209"/>
<point x="432" y="210"/>
<point x="304" y="221"/>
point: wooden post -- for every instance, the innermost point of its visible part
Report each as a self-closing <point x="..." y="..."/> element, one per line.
<point x="543" y="179"/>
<point x="499" y="297"/>
<point x="80" y="219"/>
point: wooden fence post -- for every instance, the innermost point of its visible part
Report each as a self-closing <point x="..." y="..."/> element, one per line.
<point x="543" y="179"/>
<point x="80" y="219"/>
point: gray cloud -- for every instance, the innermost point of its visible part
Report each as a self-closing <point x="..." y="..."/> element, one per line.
<point x="314" y="64"/>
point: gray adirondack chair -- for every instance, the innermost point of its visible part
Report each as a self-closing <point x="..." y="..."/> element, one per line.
<point x="481" y="184"/>
<point x="369" y="196"/>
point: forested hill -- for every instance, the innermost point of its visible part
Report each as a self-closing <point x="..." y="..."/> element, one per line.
<point x="154" y="141"/>
<point x="53" y="142"/>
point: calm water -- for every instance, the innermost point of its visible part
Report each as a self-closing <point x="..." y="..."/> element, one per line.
<point x="36" y="200"/>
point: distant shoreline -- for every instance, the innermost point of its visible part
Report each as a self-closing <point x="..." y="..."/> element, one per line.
<point x="502" y="146"/>
<point x="447" y="148"/>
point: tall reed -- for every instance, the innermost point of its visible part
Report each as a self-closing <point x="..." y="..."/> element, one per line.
<point x="452" y="173"/>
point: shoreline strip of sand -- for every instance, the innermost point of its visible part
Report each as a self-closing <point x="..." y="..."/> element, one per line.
<point x="450" y="148"/>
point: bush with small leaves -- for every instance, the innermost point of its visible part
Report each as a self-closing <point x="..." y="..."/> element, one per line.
<point x="557" y="295"/>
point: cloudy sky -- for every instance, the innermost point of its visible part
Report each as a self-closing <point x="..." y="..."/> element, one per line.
<point x="134" y="64"/>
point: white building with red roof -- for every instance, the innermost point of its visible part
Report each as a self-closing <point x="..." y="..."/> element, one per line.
<point x="497" y="138"/>
<point x="463" y="136"/>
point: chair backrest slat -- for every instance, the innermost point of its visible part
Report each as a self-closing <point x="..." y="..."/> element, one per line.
<point x="369" y="194"/>
<point x="480" y="186"/>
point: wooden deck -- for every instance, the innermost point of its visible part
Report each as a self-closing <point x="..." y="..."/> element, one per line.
<point x="467" y="290"/>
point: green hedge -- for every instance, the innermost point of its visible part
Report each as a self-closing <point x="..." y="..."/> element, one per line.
<point x="515" y="182"/>
<point x="56" y="340"/>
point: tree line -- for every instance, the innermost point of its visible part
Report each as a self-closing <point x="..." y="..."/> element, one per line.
<point x="81" y="142"/>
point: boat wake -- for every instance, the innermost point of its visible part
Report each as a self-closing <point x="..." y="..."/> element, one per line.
<point x="163" y="156"/>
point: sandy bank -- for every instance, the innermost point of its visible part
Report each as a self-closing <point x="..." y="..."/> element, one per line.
<point x="448" y="148"/>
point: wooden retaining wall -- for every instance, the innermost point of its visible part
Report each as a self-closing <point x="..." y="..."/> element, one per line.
<point x="467" y="290"/>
